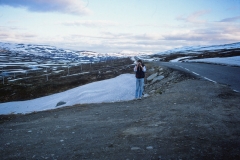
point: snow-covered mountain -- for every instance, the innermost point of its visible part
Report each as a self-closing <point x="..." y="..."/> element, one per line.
<point x="27" y="58"/>
<point x="54" y="53"/>
<point x="45" y="54"/>
<point x="51" y="52"/>
<point x="201" y="49"/>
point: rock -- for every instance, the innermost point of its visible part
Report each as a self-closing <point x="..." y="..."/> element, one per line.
<point x="135" y="148"/>
<point x="152" y="77"/>
<point x="152" y="91"/>
<point x="151" y="70"/>
<point x="149" y="147"/>
<point x="60" y="103"/>
<point x="146" y="95"/>
<point x="158" y="78"/>
<point x="110" y="145"/>
<point x="158" y="91"/>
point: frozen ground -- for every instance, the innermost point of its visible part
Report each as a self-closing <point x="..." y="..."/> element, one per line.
<point x="120" y="88"/>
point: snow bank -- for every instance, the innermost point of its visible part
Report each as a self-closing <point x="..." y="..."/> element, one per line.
<point x="179" y="59"/>
<point x="232" y="61"/>
<point x="121" y="88"/>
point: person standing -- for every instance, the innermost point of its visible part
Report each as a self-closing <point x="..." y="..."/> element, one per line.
<point x="140" y="70"/>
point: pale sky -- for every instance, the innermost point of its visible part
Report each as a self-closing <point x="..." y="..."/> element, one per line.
<point x="117" y="25"/>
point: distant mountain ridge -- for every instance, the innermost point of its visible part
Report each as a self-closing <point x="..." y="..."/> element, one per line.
<point x="84" y="56"/>
<point x="200" y="49"/>
<point x="51" y="52"/>
<point x="47" y="51"/>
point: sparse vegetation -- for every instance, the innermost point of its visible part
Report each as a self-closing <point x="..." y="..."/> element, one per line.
<point x="35" y="84"/>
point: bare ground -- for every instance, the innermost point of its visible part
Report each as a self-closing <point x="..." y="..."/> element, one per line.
<point x="185" y="118"/>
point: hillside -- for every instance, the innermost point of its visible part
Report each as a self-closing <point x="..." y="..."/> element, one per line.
<point x="200" y="52"/>
<point x="33" y="71"/>
<point x="35" y="84"/>
<point x="183" y="118"/>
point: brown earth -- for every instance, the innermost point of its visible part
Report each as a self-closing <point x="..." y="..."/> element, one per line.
<point x="184" y="118"/>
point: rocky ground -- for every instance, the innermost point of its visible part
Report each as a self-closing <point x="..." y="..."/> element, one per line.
<point x="183" y="117"/>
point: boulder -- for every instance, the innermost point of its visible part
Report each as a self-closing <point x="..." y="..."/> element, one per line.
<point x="151" y="70"/>
<point x="60" y="103"/>
<point x="152" y="91"/>
<point x="152" y="77"/>
<point x="158" y="78"/>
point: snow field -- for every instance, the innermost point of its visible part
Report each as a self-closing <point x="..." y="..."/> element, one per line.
<point x="120" y="88"/>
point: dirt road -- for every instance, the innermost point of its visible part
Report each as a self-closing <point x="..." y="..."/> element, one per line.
<point x="190" y="119"/>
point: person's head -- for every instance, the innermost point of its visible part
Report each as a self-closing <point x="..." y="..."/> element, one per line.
<point x="139" y="61"/>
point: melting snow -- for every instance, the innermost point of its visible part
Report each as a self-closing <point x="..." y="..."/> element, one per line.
<point x="121" y="88"/>
<point x="232" y="61"/>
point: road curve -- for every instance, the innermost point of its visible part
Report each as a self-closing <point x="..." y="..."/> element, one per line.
<point x="216" y="73"/>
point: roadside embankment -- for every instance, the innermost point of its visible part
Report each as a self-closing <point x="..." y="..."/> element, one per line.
<point x="182" y="118"/>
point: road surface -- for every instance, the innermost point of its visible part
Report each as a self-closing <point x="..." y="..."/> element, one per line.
<point x="216" y="73"/>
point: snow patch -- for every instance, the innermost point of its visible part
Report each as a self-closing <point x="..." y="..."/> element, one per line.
<point x="120" y="88"/>
<point x="233" y="61"/>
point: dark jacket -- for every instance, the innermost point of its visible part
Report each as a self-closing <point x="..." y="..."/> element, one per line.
<point x="140" y="73"/>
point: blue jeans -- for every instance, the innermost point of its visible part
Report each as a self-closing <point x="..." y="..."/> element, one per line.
<point x="139" y="87"/>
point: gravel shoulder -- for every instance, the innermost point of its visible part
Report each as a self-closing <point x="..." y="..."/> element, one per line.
<point x="183" y="118"/>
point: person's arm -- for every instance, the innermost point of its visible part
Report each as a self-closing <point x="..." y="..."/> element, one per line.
<point x="144" y="69"/>
<point x="135" y="69"/>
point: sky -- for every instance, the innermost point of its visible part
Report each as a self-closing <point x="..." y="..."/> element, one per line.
<point x="118" y="25"/>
